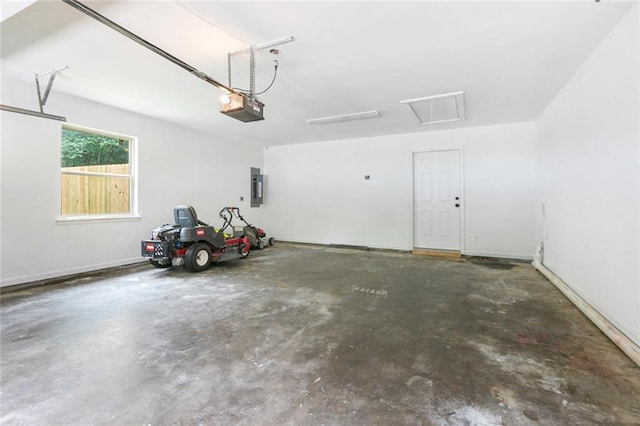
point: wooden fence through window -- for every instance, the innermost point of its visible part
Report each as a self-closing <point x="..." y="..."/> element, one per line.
<point x="95" y="195"/>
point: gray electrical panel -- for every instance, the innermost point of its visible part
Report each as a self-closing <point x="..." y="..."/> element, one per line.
<point x="257" y="180"/>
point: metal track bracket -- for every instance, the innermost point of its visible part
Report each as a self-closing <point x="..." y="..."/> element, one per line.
<point x="42" y="99"/>
<point x="251" y="50"/>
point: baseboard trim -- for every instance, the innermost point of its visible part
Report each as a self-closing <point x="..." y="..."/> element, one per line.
<point x="626" y="345"/>
<point x="56" y="277"/>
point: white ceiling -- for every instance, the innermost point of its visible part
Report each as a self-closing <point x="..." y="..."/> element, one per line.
<point x="510" y="59"/>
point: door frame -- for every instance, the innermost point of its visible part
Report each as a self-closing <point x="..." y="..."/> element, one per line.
<point x="460" y="150"/>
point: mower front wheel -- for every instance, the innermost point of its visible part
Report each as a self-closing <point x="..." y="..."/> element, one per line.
<point x="260" y="244"/>
<point x="272" y="241"/>
<point x="197" y="258"/>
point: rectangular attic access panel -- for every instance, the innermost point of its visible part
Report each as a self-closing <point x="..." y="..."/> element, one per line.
<point x="438" y="109"/>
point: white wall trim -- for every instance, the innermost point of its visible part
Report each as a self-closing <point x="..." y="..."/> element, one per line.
<point x="66" y="220"/>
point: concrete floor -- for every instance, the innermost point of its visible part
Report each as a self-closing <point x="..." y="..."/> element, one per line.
<point x="311" y="335"/>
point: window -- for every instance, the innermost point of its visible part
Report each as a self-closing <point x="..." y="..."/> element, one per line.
<point x="97" y="174"/>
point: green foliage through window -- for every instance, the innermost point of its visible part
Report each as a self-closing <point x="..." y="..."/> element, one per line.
<point x="86" y="149"/>
<point x="96" y="174"/>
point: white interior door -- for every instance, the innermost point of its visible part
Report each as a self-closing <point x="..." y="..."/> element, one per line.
<point x="437" y="200"/>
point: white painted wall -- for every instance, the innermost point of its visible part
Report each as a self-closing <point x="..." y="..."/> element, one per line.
<point x="176" y="166"/>
<point x="317" y="193"/>
<point x="588" y="160"/>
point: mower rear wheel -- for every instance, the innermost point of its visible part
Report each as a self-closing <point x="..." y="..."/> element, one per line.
<point x="272" y="241"/>
<point x="260" y="244"/>
<point x="197" y="258"/>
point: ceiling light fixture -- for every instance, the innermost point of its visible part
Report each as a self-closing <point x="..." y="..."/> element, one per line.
<point x="345" y="117"/>
<point x="438" y="109"/>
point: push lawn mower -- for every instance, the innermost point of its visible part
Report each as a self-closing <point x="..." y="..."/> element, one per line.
<point x="192" y="243"/>
<point x="255" y="235"/>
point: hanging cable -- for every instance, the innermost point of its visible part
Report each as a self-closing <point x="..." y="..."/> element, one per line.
<point x="275" y="74"/>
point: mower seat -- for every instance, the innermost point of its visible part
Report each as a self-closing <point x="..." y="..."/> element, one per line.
<point x="185" y="216"/>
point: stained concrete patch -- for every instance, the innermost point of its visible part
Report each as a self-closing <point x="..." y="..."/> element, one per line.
<point x="469" y="415"/>
<point x="525" y="369"/>
<point x="497" y="265"/>
<point x="492" y="263"/>
<point x="531" y="414"/>
<point x="420" y="380"/>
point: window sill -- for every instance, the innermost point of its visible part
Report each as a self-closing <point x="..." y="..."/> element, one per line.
<point x="97" y="219"/>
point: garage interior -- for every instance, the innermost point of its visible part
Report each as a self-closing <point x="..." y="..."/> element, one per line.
<point x="515" y="301"/>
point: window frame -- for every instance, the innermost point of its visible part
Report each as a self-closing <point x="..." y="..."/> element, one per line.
<point x="132" y="176"/>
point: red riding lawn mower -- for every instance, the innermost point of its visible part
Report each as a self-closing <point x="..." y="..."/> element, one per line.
<point x="192" y="243"/>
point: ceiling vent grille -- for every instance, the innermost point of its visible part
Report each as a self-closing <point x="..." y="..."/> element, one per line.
<point x="437" y="109"/>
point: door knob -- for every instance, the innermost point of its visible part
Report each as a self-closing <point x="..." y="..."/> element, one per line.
<point x="457" y="205"/>
<point x="457" y="198"/>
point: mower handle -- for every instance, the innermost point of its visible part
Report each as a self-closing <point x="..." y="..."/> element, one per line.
<point x="231" y="210"/>
<point x="226" y="217"/>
